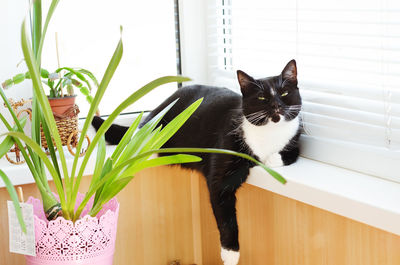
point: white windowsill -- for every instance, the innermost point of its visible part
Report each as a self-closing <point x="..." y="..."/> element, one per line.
<point x="357" y="196"/>
<point x="360" y="197"/>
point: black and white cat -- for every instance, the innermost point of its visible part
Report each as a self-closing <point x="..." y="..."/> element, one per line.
<point x="262" y="122"/>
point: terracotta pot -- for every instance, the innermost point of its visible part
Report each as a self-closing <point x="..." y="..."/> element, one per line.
<point x="88" y="241"/>
<point x="60" y="105"/>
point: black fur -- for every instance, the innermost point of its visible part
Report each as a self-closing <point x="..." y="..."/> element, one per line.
<point x="217" y="124"/>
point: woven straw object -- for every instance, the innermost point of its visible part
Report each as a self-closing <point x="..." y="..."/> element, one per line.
<point x="67" y="124"/>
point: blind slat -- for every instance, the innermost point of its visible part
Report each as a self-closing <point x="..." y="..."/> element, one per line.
<point x="358" y="103"/>
<point x="349" y="114"/>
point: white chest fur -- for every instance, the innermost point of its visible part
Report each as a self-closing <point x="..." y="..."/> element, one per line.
<point x="270" y="138"/>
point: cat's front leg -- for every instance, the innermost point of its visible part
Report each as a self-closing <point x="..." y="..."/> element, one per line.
<point x="274" y="160"/>
<point x="223" y="203"/>
<point x="290" y="156"/>
<point x="287" y="156"/>
<point x="283" y="158"/>
<point x="291" y="152"/>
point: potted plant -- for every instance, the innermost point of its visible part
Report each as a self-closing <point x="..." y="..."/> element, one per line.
<point x="62" y="78"/>
<point x="95" y="212"/>
<point x="62" y="103"/>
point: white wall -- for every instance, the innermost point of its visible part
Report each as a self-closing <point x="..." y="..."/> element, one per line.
<point x="88" y="33"/>
<point x="10" y="49"/>
<point x="193" y="32"/>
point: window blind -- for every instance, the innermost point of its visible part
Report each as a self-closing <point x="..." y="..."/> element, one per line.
<point x="348" y="58"/>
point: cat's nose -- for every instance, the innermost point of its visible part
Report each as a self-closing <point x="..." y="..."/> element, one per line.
<point x="276" y="106"/>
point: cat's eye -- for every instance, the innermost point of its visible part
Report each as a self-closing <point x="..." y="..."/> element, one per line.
<point x="284" y="94"/>
<point x="261" y="98"/>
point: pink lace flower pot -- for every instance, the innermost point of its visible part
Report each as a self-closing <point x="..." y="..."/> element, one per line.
<point x="91" y="240"/>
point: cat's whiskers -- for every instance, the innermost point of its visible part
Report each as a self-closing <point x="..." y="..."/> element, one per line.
<point x="257" y="113"/>
<point x="256" y="116"/>
<point x="293" y="107"/>
<point x="292" y="113"/>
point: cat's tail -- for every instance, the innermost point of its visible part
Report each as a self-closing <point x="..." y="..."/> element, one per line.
<point x="114" y="134"/>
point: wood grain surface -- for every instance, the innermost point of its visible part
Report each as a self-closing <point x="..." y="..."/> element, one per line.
<point x="165" y="215"/>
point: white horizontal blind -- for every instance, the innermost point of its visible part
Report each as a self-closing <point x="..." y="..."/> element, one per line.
<point x="219" y="41"/>
<point x="348" y="57"/>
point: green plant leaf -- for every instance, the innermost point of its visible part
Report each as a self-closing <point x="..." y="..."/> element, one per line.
<point x="38" y="150"/>
<point x="145" y="144"/>
<point x="50" y="12"/>
<point x="31" y="163"/>
<point x="21" y="77"/>
<point x="172" y="127"/>
<point x="50" y="147"/>
<point x="35" y="133"/>
<point x="161" y="161"/>
<point x="273" y="173"/>
<point x="107" y="168"/>
<point x="112" y="66"/>
<point x="110" y="174"/>
<point x="36" y="26"/>
<point x="6" y="145"/>
<point x="100" y="158"/>
<point x="44" y="73"/>
<point x="27" y="158"/>
<point x="8" y="142"/>
<point x="18" y="78"/>
<point x="14" y="198"/>
<point x="41" y="97"/>
<point x="126" y="138"/>
<point x="142" y="136"/>
<point x="90" y="75"/>
<point x="77" y="74"/>
<point x="89" y="99"/>
<point x="146" y="140"/>
<point x="6" y="84"/>
<point x="84" y="90"/>
<point x="130" y="100"/>
<point x="111" y="192"/>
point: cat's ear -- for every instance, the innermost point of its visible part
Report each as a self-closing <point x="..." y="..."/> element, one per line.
<point x="290" y="72"/>
<point x="246" y="82"/>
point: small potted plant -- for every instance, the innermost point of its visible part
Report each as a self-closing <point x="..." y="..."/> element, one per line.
<point x="80" y="229"/>
<point x="62" y="84"/>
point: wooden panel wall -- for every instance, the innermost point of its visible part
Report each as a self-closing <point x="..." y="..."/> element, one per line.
<point x="281" y="231"/>
<point x="165" y="215"/>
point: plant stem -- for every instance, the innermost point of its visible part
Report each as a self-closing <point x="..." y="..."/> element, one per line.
<point x="37" y="26"/>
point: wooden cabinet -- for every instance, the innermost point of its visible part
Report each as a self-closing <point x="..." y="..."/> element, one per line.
<point x="165" y="215"/>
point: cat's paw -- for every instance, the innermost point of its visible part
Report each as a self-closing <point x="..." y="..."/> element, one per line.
<point x="274" y="160"/>
<point x="229" y="257"/>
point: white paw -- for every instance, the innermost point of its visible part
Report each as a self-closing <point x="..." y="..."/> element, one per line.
<point x="274" y="160"/>
<point x="229" y="257"/>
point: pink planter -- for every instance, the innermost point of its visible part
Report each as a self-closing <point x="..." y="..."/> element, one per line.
<point x="90" y="241"/>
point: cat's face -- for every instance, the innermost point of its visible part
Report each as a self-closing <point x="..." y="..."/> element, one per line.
<point x="271" y="99"/>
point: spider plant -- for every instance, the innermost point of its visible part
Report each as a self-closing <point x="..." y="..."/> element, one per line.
<point x="111" y="174"/>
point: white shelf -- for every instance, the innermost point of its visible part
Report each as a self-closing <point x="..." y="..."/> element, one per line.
<point x="360" y="197"/>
